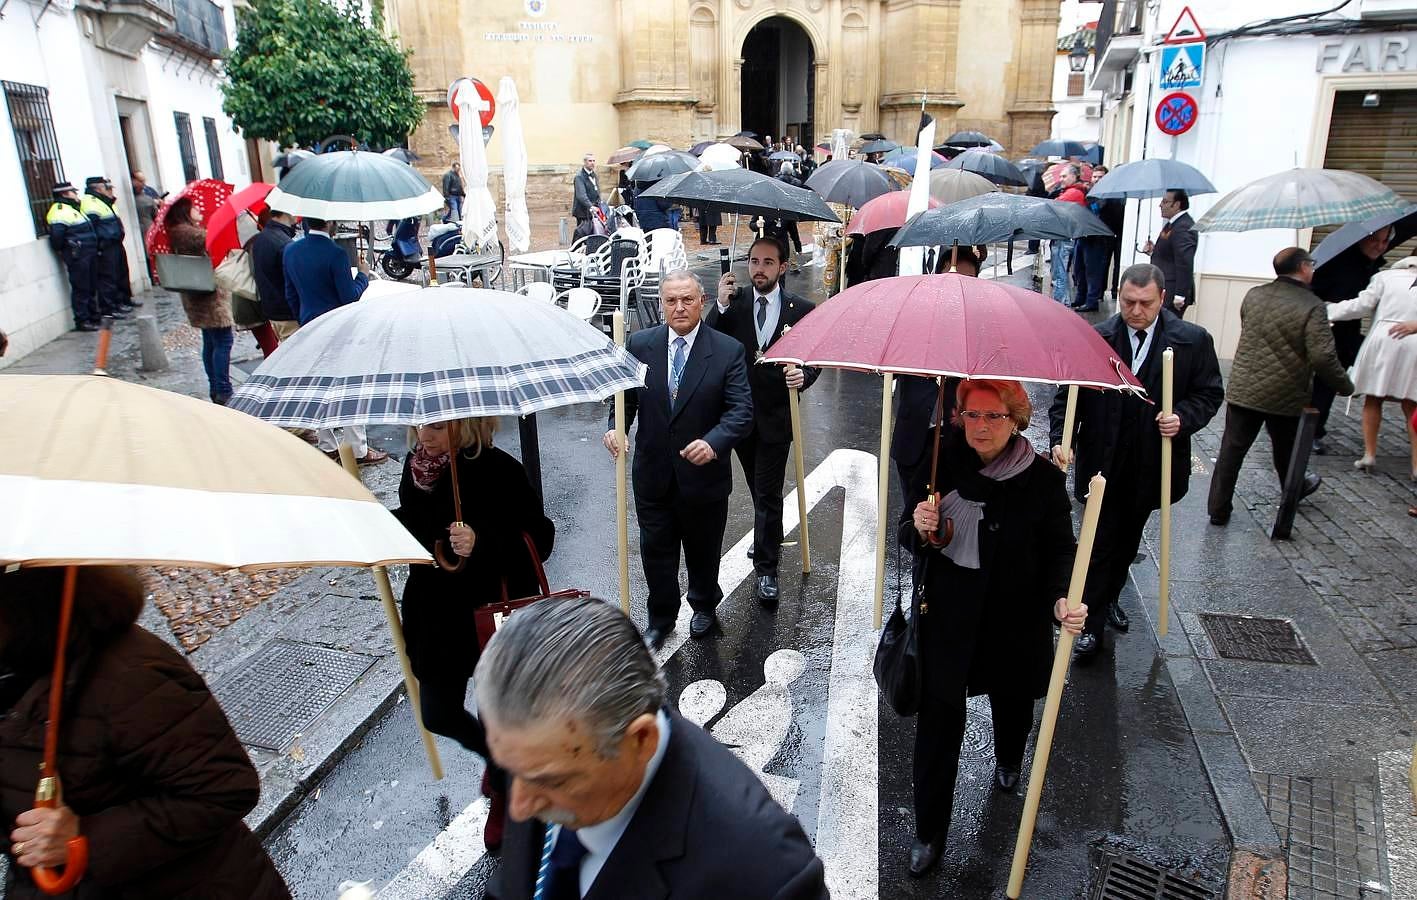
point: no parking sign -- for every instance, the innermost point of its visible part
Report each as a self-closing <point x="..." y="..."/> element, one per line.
<point x="1176" y="113"/>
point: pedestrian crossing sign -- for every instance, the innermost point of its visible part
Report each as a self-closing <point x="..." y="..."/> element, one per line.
<point x="1181" y="66"/>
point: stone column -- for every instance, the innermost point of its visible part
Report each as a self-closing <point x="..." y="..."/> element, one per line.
<point x="656" y="97"/>
<point x="1031" y="110"/>
<point x="919" y="47"/>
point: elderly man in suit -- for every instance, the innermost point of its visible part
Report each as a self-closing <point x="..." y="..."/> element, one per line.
<point x="1120" y="436"/>
<point x="1174" y="251"/>
<point x="757" y="317"/>
<point x="587" y="195"/>
<point x="613" y="793"/>
<point x="695" y="406"/>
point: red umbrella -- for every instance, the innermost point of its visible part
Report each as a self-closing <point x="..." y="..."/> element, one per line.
<point x="207" y="196"/>
<point x="222" y="236"/>
<point x="882" y="213"/>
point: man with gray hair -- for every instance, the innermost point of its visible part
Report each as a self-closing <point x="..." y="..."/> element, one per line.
<point x="587" y="195"/>
<point x="614" y="794"/>
<point x="694" y="408"/>
<point x="1119" y="435"/>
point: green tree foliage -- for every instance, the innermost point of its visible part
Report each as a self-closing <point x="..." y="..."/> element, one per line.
<point x="303" y="70"/>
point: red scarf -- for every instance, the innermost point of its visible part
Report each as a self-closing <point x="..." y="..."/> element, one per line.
<point x="427" y="468"/>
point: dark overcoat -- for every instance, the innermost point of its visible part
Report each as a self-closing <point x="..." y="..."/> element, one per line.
<point x="772" y="418"/>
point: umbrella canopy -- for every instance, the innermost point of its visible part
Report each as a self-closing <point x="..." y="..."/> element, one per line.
<point x="905" y="158"/>
<point x="721" y="156"/>
<point x="850" y="181"/>
<point x="999" y="217"/>
<point x="878" y="145"/>
<point x="885" y="212"/>
<point x="953" y="185"/>
<point x="954" y="326"/>
<point x="658" y="148"/>
<point x="1301" y="198"/>
<point x="207" y="196"/>
<point x="746" y="192"/>
<point x="899" y="177"/>
<point x="441" y="353"/>
<point x="223" y="235"/>
<point x="655" y="166"/>
<point x="1150" y="178"/>
<point x="968" y="139"/>
<point x="289" y="159"/>
<point x="641" y="144"/>
<point x="624" y="155"/>
<point x="784" y="155"/>
<point x="1060" y="148"/>
<point x="990" y="165"/>
<point x="355" y="186"/>
<point x="402" y="154"/>
<point x="1403" y="222"/>
<point x="170" y="480"/>
<point x="514" y="166"/>
<point x="744" y="142"/>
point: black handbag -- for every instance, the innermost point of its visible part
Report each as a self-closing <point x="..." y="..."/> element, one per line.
<point x="897" y="667"/>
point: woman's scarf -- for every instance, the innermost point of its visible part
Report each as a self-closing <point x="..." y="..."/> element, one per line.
<point x="427" y="468"/>
<point x="963" y="548"/>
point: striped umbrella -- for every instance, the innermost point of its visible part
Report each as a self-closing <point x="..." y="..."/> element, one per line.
<point x="354" y="186"/>
<point x="1301" y="198"/>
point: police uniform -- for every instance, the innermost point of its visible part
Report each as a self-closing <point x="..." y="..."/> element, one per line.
<point x="115" y="295"/>
<point x="74" y="238"/>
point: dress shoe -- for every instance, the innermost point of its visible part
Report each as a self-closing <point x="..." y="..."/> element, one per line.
<point x="1087" y="646"/>
<point x="1005" y="778"/>
<point x="1093" y="308"/>
<point x="656" y="636"/>
<point x="767" y="590"/>
<point x="1318" y="448"/>
<point x="750" y="552"/>
<point x="1220" y="520"/>
<point x="1118" y="617"/>
<point x="1311" y="484"/>
<point x="86" y="326"/>
<point x="117" y="314"/>
<point x="923" y="857"/>
<point x="701" y="624"/>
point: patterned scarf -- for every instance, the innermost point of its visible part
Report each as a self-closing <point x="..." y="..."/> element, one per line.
<point x="963" y="548"/>
<point x="427" y="468"/>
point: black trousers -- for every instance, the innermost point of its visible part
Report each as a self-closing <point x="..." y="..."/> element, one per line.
<point x="1242" y="426"/>
<point x="666" y="525"/>
<point x="708" y="228"/>
<point x="764" y="468"/>
<point x="83" y="285"/>
<point x="113" y="288"/>
<point x="1090" y="269"/>
<point x="1119" y="528"/>
<point x="1348" y="340"/>
<point x="939" y="734"/>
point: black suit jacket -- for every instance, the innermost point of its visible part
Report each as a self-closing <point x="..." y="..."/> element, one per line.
<point x="714" y="403"/>
<point x="1111" y="421"/>
<point x="771" y="416"/>
<point x="587" y="194"/>
<point x="706" y="829"/>
<point x="1174" y="253"/>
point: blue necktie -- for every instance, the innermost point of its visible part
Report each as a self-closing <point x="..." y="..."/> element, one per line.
<point x="559" y="877"/>
<point x="676" y="370"/>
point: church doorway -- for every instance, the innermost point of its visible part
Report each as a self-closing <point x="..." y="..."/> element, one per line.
<point x="779" y="82"/>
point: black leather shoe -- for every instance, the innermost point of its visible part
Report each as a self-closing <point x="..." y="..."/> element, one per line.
<point x="86" y="326"/>
<point x="1005" y="778"/>
<point x="1086" y="647"/>
<point x="656" y="636"/>
<point x="1311" y="484"/>
<point x="1220" y="520"/>
<point x="1318" y="448"/>
<point x="701" y="624"/>
<point x="750" y="552"/>
<point x="1118" y="618"/>
<point x="923" y="857"/>
<point x="767" y="590"/>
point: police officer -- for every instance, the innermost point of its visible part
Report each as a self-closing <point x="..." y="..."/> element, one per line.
<point x="115" y="294"/>
<point x="73" y="237"/>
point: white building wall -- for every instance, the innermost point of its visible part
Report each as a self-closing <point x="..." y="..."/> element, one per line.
<point x="1072" y="122"/>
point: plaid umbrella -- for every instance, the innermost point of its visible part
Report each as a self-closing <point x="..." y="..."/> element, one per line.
<point x="1301" y="198"/>
<point x="440" y="353"/>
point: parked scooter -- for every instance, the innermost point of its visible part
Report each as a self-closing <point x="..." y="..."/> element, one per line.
<point x="404" y="256"/>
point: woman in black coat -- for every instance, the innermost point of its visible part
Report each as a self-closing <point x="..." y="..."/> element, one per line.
<point x="990" y="597"/>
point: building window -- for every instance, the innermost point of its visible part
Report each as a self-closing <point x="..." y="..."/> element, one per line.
<point x="214" y="149"/>
<point x="37" y="145"/>
<point x="1076" y="84"/>
<point x="185" y="146"/>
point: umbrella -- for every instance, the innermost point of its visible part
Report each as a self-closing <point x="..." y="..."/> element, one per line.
<point x="223" y="235"/>
<point x="1403" y="222"/>
<point x="990" y="165"/>
<point x="1060" y="148"/>
<point x="968" y="139"/>
<point x="289" y="159"/>
<point x="746" y="192"/>
<point x="785" y="155"/>
<point x="624" y="155"/>
<point x="1301" y="198"/>
<point x="850" y="181"/>
<point x="1150" y="178"/>
<point x="898" y="177"/>
<point x="721" y="156"/>
<point x="744" y="142"/>
<point x="402" y="154"/>
<point x="953" y="185"/>
<point x="878" y="145"/>
<point x="356" y="186"/>
<point x="479" y="213"/>
<point x="207" y="196"/>
<point x="824" y="148"/>
<point x="905" y="158"/>
<point x="658" y="148"/>
<point x="999" y="217"/>
<point x="884" y="212"/>
<point x="653" y="167"/>
<point x="640" y="144"/>
<point x="514" y="166"/>
<point x="1053" y="175"/>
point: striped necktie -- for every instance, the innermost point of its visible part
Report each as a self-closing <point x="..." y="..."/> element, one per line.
<point x="676" y="370"/>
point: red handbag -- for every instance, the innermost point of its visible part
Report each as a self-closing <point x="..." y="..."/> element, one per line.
<point x="490" y="617"/>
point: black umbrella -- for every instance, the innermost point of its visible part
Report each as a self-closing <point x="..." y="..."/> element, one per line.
<point x="1403" y="223"/>
<point x="1060" y="148"/>
<point x="746" y="192"/>
<point x="994" y="217"/>
<point x="873" y="136"/>
<point x="850" y="181"/>
<point x="701" y="146"/>
<point x="990" y="165"/>
<point x="655" y="166"/>
<point x="879" y="145"/>
<point x="968" y="139"/>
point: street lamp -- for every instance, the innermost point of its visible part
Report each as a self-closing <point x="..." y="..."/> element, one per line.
<point x="1077" y="57"/>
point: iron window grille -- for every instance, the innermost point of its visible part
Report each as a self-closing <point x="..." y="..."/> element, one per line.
<point x="185" y="146"/>
<point x="38" y="146"/>
<point x="213" y="148"/>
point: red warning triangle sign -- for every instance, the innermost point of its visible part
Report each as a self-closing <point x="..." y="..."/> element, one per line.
<point x="1186" y="30"/>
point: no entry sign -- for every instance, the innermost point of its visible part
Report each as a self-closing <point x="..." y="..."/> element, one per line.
<point x="484" y="104"/>
<point x="1176" y="113"/>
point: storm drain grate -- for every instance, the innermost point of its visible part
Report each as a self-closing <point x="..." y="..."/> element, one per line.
<point x="1126" y="877"/>
<point x="1329" y="829"/>
<point x="285" y="686"/>
<point x="1255" y="639"/>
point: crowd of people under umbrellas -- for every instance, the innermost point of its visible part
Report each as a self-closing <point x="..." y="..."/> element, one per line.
<point x="594" y="778"/>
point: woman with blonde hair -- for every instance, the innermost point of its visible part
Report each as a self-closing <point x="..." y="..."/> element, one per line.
<point x="481" y="554"/>
<point x="994" y="541"/>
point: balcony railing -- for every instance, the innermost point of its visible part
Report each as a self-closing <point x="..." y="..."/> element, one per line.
<point x="200" y="26"/>
<point x="1118" y="17"/>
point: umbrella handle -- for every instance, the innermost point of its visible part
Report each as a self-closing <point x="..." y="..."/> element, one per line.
<point x="440" y="548"/>
<point x="440" y="553"/>
<point x="52" y="881"/>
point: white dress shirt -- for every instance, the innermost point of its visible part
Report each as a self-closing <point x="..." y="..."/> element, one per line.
<point x="769" y="326"/>
<point x="688" y="349"/>
<point x="1139" y="359"/>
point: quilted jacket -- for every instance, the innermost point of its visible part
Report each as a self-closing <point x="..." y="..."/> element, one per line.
<point x="1285" y="340"/>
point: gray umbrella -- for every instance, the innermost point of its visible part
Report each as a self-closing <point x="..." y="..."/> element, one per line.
<point x="786" y="155"/>
<point x="354" y="186"/>
<point x="656" y="166"/>
<point x="291" y="158"/>
<point x="999" y="217"/>
<point x="1150" y="178"/>
<point x="990" y="165"/>
<point x="878" y="146"/>
<point x="746" y="192"/>
<point x="1060" y="148"/>
<point x="1403" y="223"/>
<point x="968" y="139"/>
<point x="850" y="181"/>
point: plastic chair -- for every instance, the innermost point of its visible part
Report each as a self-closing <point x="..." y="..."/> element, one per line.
<point x="538" y="290"/>
<point x="583" y="303"/>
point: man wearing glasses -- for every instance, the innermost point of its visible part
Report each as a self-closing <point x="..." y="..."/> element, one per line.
<point x="1174" y="252"/>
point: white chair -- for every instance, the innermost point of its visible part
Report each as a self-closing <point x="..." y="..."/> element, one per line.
<point x="666" y="245"/>
<point x="538" y="290"/>
<point x="581" y="302"/>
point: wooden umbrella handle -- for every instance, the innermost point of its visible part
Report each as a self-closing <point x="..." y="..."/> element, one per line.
<point x="440" y="548"/>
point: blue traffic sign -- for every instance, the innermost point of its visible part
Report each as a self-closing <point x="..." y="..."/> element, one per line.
<point x="1182" y="66"/>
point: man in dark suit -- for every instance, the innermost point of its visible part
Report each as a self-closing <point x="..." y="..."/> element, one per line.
<point x="1174" y="252"/>
<point x="267" y="253"/>
<point x="1119" y="435"/>
<point x="757" y="317"/>
<point x="613" y="794"/>
<point x="695" y="406"/>
<point x="587" y="195"/>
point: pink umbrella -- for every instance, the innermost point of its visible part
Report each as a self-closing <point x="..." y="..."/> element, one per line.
<point x="882" y="213"/>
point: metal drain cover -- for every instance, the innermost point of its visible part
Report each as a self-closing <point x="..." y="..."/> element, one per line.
<point x="1127" y="877"/>
<point x="1256" y="640"/>
<point x="285" y="686"/>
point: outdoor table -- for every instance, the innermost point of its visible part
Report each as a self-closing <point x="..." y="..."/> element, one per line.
<point x="537" y="266"/>
<point x="463" y="266"/>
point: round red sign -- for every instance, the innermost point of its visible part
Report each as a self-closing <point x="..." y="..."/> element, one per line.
<point x="1176" y="113"/>
<point x="484" y="103"/>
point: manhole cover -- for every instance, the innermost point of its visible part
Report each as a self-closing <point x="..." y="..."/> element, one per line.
<point x="1255" y="639"/>
<point x="978" y="740"/>
<point x="1126" y="877"/>
<point x="285" y="686"/>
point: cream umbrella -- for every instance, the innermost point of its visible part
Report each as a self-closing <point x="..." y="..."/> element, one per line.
<point x="514" y="165"/>
<point x="479" y="223"/>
